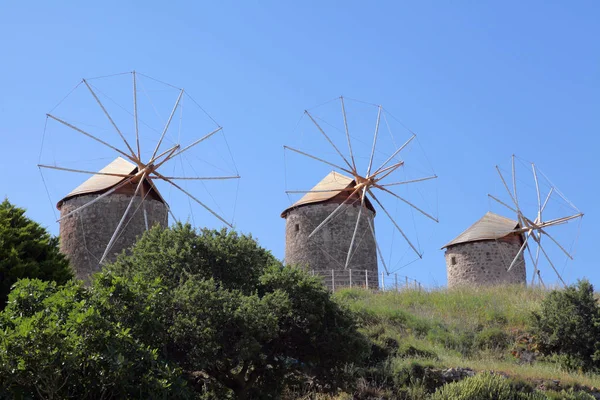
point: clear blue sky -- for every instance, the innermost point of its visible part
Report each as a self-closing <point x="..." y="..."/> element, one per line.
<point x="477" y="81"/>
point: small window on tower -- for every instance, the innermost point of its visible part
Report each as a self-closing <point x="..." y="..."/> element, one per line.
<point x="297" y="227"/>
<point x="453" y="260"/>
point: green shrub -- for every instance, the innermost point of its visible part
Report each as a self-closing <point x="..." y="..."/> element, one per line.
<point x="492" y="339"/>
<point x="568" y="395"/>
<point x="484" y="386"/>
<point x="568" y="326"/>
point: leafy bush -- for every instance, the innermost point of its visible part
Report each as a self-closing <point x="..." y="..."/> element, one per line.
<point x="492" y="339"/>
<point x="27" y="251"/>
<point x="56" y="343"/>
<point x="567" y="326"/>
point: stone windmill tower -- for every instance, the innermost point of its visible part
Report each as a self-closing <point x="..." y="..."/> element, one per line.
<point x="85" y="234"/>
<point x="327" y="250"/>
<point x="107" y="213"/>
<point x="482" y="254"/>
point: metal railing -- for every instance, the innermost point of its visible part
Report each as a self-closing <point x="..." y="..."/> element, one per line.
<point x="348" y="278"/>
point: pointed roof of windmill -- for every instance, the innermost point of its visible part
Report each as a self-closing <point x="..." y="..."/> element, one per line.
<point x="101" y="183"/>
<point x="330" y="188"/>
<point x="490" y="227"/>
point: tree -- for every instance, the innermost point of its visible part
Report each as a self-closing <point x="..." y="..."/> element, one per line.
<point x="27" y="250"/>
<point x="236" y="315"/>
<point x="568" y="326"/>
<point x="208" y="314"/>
<point x="57" y="342"/>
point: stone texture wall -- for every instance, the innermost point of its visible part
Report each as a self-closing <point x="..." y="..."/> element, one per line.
<point x="85" y="234"/>
<point x="328" y="248"/>
<point x="484" y="263"/>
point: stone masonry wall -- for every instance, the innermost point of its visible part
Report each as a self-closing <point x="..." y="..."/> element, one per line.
<point x="85" y="234"/>
<point x="484" y="263"/>
<point x="328" y="248"/>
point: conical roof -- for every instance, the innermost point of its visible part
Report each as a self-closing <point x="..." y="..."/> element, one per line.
<point x="327" y="189"/>
<point x="102" y="183"/>
<point x="490" y="227"/>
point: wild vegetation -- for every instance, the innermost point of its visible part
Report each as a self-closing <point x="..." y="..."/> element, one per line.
<point x="204" y="314"/>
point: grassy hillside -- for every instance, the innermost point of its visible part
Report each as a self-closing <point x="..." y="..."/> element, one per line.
<point x="484" y="329"/>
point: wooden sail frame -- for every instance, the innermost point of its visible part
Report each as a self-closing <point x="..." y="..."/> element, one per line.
<point x="146" y="171"/>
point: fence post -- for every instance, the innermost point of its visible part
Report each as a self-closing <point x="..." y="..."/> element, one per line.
<point x="366" y="278"/>
<point x="332" y="281"/>
<point x="350" y="278"/>
<point x="396" y="278"/>
<point x="382" y="282"/>
<point x="406" y="281"/>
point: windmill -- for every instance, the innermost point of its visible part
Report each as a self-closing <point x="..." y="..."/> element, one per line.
<point x="328" y="225"/>
<point x="107" y="212"/>
<point x="536" y="228"/>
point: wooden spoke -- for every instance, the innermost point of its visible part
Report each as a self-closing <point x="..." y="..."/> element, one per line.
<point x="195" y="143"/>
<point x="135" y="118"/>
<point x="549" y="260"/>
<point x="374" y="141"/>
<point x="362" y="204"/>
<point x="514" y="261"/>
<point x="81" y="171"/>
<point x="319" y="159"/>
<point x="328" y="139"/>
<point x="320" y="191"/>
<point x="377" y="246"/>
<point x="103" y="195"/>
<point x="407" y="202"/>
<point x="166" y="152"/>
<point x="506" y="187"/>
<point x="396" y="152"/>
<point x="199" y="178"/>
<point x="348" y="134"/>
<point x="388" y="170"/>
<point x="93" y="137"/>
<point x="395" y="224"/>
<point x="410" y="181"/>
<point x="109" y="117"/>
<point x="556" y="242"/>
<point x="116" y="232"/>
<point x="514" y="179"/>
<point x="537" y="190"/>
<point x="546" y="201"/>
<point x="503" y="203"/>
<point x="330" y="216"/>
<point x="162" y="136"/>
<point x="194" y="198"/>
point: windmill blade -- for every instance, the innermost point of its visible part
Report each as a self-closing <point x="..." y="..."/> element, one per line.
<point x="514" y="261"/>
<point x="100" y="197"/>
<point x="166" y="128"/>
<point x="200" y="178"/>
<point x="410" y="181"/>
<point x="82" y="171"/>
<point x="328" y="139"/>
<point x="503" y="203"/>
<point x="374" y="141"/>
<point x="395" y="224"/>
<point x="318" y="159"/>
<point x="549" y="260"/>
<point x="534" y="262"/>
<point x="109" y="117"/>
<point x="194" y="198"/>
<point x="389" y="170"/>
<point x="135" y="118"/>
<point x="506" y="187"/>
<point x="514" y="179"/>
<point x="394" y="154"/>
<point x="546" y="201"/>
<point x="133" y="159"/>
<point x="537" y="190"/>
<point x="330" y="216"/>
<point x="407" y="202"/>
<point x="203" y="138"/>
<point x="348" y="134"/>
<point x="116" y="232"/>
<point x="556" y="242"/>
<point x="168" y="152"/>
<point x="377" y="246"/>
<point x="320" y="191"/>
<point x="362" y="204"/>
